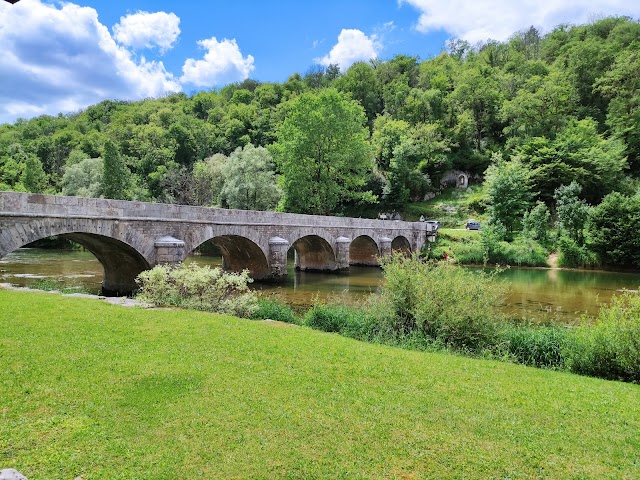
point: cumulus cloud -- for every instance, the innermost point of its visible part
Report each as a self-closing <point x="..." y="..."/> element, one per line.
<point x="498" y="19"/>
<point x="222" y="63"/>
<point x="353" y="46"/>
<point x="63" y="59"/>
<point x="148" y="30"/>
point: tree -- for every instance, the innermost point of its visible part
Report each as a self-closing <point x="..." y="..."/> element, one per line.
<point x="572" y="212"/>
<point x="622" y="86"/>
<point x="33" y="177"/>
<point x="323" y="152"/>
<point x="535" y="223"/>
<point x="83" y="179"/>
<point x="613" y="230"/>
<point x="208" y="179"/>
<point x="508" y="186"/>
<point x="578" y="153"/>
<point x="115" y="174"/>
<point x="361" y="82"/>
<point x="249" y="180"/>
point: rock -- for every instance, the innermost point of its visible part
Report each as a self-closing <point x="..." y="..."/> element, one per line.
<point x="11" y="474"/>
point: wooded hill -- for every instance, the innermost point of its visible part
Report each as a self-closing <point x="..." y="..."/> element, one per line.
<point x="557" y="108"/>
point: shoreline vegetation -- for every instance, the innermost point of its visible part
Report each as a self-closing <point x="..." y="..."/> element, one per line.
<point x="162" y="393"/>
<point x="426" y="306"/>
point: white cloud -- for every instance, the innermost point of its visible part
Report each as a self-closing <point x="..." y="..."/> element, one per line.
<point x="498" y="19"/>
<point x="63" y="59"/>
<point x="353" y="46"/>
<point x="148" y="30"/>
<point x="222" y="63"/>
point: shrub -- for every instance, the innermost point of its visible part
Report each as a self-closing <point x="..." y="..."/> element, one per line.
<point x="573" y="255"/>
<point x="200" y="288"/>
<point x="536" y="346"/>
<point x="442" y="302"/>
<point x="348" y="321"/>
<point x="521" y="252"/>
<point x="610" y="348"/>
<point x="269" y="309"/>
<point x="524" y="251"/>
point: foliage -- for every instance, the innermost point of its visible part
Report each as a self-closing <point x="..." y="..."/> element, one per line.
<point x="613" y="230"/>
<point x="33" y="178"/>
<point x="208" y="179"/>
<point x="201" y="288"/>
<point x="269" y="309"/>
<point x="572" y="212"/>
<point x="611" y="347"/>
<point x="323" y="152"/>
<point x="508" y="187"/>
<point x="536" y="346"/>
<point x="536" y="222"/>
<point x="115" y="175"/>
<point x="565" y="104"/>
<point x="579" y="153"/>
<point x="348" y="321"/>
<point x="487" y="249"/>
<point x="83" y="179"/>
<point x="441" y="302"/>
<point x="571" y="254"/>
<point x="249" y="180"/>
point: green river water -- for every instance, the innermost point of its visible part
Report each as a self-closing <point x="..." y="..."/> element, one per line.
<point x="539" y="294"/>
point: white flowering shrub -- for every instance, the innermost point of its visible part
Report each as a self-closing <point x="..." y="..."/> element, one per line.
<point x="200" y="288"/>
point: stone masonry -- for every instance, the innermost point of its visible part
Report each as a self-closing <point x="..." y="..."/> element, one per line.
<point x="130" y="237"/>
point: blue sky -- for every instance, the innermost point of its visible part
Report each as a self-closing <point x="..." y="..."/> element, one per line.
<point x="62" y="57"/>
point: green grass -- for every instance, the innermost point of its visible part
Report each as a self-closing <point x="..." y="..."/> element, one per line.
<point x="103" y="391"/>
<point x="452" y="208"/>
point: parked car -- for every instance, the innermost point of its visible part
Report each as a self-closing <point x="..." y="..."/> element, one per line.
<point x="472" y="225"/>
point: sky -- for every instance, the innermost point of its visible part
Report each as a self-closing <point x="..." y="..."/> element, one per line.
<point x="60" y="57"/>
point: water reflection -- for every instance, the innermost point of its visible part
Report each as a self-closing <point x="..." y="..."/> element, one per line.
<point x="541" y="294"/>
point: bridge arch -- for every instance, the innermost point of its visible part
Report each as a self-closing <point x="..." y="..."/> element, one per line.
<point x="240" y="253"/>
<point x="401" y="244"/>
<point x="120" y="259"/>
<point x="364" y="251"/>
<point x="314" y="252"/>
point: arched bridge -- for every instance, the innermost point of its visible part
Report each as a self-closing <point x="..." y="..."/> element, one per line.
<point x="130" y="237"/>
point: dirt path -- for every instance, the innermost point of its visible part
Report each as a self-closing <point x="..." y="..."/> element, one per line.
<point x="552" y="260"/>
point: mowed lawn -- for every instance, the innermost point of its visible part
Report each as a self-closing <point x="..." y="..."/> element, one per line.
<point x="107" y="392"/>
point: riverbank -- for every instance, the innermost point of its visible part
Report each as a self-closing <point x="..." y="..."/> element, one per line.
<point x="91" y="389"/>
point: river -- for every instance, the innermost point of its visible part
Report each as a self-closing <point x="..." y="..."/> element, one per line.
<point x="545" y="295"/>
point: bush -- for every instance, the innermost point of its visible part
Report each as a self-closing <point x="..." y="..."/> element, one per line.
<point x="348" y="321"/>
<point x="442" y="302"/>
<point x="524" y="252"/>
<point x="536" y="346"/>
<point x="200" y="288"/>
<point x="269" y="309"/>
<point x="610" y="348"/>
<point x="521" y="252"/>
<point x="573" y="255"/>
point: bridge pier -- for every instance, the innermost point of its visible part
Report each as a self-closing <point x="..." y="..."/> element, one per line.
<point x="385" y="246"/>
<point x="278" y="248"/>
<point x="342" y="253"/>
<point x="169" y="250"/>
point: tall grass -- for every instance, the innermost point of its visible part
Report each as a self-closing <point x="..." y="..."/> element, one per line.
<point x="426" y="305"/>
<point x="610" y="348"/>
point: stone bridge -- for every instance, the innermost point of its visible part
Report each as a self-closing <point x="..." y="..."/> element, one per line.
<point x="130" y="237"/>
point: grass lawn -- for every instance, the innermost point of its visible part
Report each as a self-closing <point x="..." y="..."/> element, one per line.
<point x="107" y="392"/>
